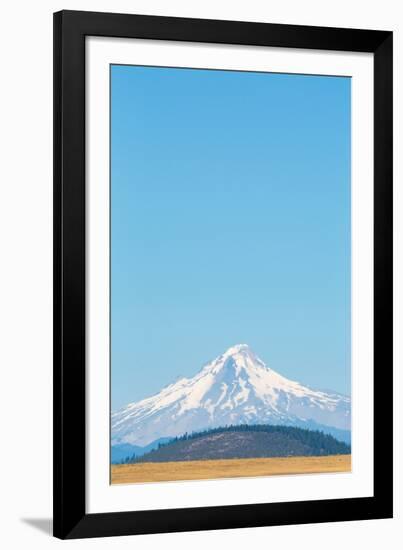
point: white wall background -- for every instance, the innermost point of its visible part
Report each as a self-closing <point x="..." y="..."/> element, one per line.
<point x="26" y="270"/>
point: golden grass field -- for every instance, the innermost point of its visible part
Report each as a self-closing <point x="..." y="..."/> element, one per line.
<point x="238" y="467"/>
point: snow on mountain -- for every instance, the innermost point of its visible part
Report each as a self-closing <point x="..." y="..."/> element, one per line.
<point x="235" y="388"/>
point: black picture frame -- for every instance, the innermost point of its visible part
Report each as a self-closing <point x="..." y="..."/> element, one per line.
<point x="70" y="517"/>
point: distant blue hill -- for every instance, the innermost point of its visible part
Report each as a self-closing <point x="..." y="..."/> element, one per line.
<point x="340" y="435"/>
<point x="124" y="450"/>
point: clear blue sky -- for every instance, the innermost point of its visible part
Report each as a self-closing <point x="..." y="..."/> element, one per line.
<point x="230" y="224"/>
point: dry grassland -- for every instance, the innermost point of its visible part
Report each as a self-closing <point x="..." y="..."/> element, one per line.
<point x="239" y="467"/>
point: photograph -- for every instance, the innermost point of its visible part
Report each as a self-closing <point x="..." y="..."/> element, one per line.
<point x="230" y="274"/>
<point x="200" y="275"/>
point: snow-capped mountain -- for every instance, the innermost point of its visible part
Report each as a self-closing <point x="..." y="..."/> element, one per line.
<point x="235" y="388"/>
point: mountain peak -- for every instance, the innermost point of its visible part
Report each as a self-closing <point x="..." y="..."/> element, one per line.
<point x="238" y="348"/>
<point x="237" y="358"/>
<point x="241" y="352"/>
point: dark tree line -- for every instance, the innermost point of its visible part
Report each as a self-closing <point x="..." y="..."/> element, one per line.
<point x="318" y="442"/>
<point x="128" y="459"/>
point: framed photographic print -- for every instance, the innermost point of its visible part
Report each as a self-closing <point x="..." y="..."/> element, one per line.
<point x="223" y="274"/>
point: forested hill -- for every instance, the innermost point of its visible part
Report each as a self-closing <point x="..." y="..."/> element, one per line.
<point x="246" y="441"/>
